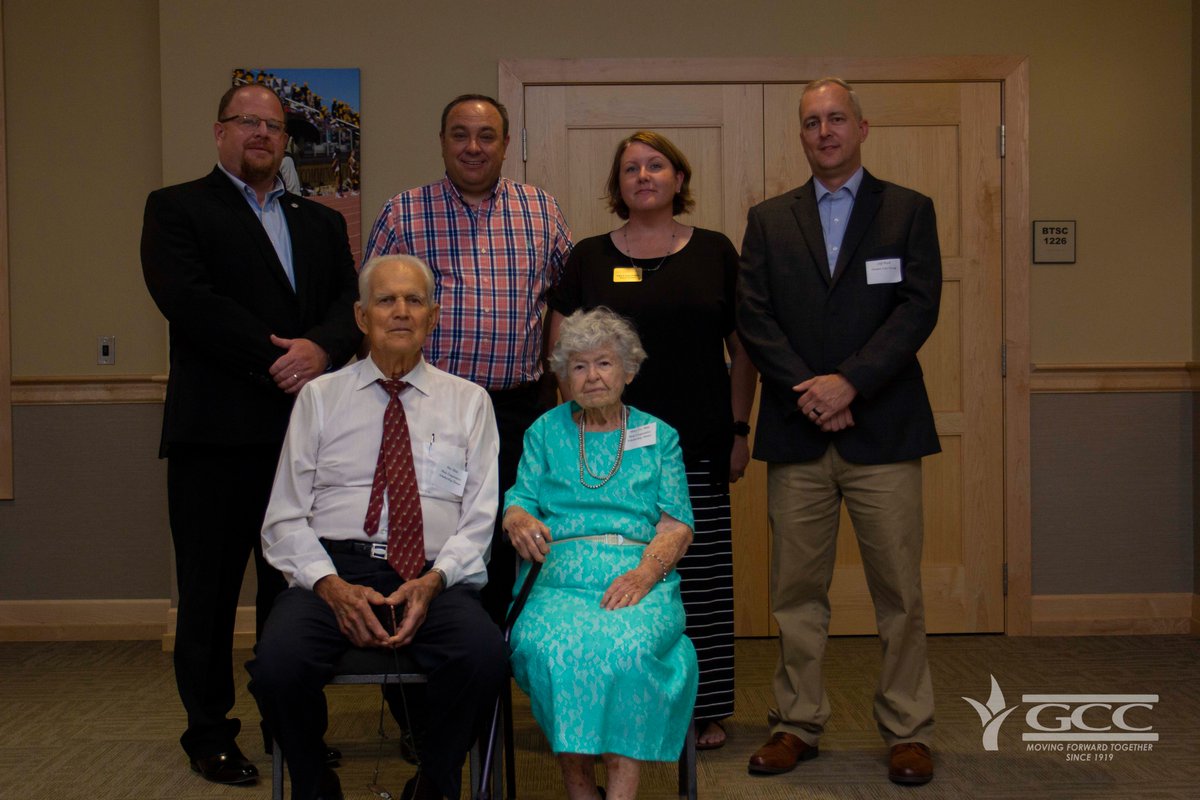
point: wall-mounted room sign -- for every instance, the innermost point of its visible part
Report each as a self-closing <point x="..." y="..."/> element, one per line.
<point x="1054" y="241"/>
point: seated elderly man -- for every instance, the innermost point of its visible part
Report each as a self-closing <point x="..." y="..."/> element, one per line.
<point x="366" y="540"/>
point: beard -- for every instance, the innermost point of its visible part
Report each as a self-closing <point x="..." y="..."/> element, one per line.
<point x="256" y="171"/>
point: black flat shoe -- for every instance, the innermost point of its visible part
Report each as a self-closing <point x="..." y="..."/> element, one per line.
<point x="230" y="767"/>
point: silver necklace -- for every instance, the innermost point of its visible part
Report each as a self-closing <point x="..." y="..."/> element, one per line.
<point x="629" y="250"/>
<point x="583" y="465"/>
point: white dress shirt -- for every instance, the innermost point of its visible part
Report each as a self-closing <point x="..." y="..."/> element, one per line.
<point x="323" y="481"/>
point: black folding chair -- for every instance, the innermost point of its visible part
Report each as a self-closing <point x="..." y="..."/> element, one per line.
<point x="503" y="709"/>
<point x="373" y="666"/>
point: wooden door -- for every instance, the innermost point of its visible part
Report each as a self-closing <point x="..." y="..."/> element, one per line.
<point x="744" y="144"/>
<point x="572" y="132"/>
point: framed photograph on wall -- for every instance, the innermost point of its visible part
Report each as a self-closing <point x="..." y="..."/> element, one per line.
<point x="323" y="159"/>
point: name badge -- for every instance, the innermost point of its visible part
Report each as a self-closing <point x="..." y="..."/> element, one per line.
<point x="641" y="436"/>
<point x="451" y="479"/>
<point x="627" y="275"/>
<point x="883" y="270"/>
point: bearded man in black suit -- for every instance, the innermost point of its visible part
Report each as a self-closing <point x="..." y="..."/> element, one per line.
<point x="839" y="288"/>
<point x="258" y="287"/>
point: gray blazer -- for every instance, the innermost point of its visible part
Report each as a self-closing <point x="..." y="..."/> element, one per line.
<point x="797" y="321"/>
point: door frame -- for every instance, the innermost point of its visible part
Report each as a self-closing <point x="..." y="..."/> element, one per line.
<point x="1012" y="72"/>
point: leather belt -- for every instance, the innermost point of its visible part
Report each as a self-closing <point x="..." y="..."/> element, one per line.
<point x="357" y="548"/>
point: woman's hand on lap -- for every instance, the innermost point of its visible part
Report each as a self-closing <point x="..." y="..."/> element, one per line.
<point x="628" y="589"/>
<point x="529" y="536"/>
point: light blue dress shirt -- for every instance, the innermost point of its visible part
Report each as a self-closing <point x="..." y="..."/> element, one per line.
<point x="270" y="214"/>
<point x="835" y="208"/>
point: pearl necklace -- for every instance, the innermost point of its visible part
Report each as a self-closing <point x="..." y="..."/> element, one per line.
<point x="583" y="465"/>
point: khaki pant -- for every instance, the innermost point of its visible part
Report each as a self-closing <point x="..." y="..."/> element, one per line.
<point x="884" y="503"/>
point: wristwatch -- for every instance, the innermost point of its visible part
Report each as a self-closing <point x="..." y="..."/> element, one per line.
<point x="441" y="574"/>
<point x="741" y="428"/>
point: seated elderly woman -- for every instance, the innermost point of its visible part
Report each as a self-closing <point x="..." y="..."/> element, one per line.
<point x="601" y="499"/>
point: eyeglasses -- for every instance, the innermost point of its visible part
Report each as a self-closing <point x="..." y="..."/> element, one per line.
<point x="249" y="123"/>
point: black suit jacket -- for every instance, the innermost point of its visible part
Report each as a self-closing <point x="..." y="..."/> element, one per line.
<point x="797" y="321"/>
<point x="215" y="276"/>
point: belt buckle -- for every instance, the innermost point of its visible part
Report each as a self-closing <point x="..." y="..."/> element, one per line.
<point x="379" y="550"/>
<point x="614" y="538"/>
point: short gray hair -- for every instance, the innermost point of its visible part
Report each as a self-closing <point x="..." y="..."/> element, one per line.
<point x="591" y="330"/>
<point x="831" y="81"/>
<point x="364" y="276"/>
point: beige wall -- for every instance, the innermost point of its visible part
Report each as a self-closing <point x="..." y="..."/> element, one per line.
<point x="106" y="101"/>
<point x="83" y="150"/>
<point x="1107" y="149"/>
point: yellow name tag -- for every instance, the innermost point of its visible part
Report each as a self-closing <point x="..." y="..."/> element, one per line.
<point x="627" y="275"/>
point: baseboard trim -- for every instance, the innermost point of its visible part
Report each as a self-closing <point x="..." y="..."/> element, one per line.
<point x="1115" y="614"/>
<point x="148" y="620"/>
<point x="82" y="620"/>
<point x="243" y="629"/>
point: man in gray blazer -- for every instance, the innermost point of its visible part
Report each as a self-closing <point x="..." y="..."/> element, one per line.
<point x="839" y="288"/>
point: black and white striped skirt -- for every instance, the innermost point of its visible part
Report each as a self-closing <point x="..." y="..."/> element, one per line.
<point x="706" y="575"/>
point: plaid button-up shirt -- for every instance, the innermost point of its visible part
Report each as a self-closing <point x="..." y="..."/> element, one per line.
<point x="494" y="266"/>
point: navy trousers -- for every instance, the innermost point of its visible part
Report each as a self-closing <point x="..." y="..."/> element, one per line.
<point x="458" y="646"/>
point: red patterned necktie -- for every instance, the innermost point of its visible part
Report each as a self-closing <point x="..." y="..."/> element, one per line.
<point x="394" y="472"/>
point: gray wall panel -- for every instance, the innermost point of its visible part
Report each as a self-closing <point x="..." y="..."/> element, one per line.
<point x="1113" y="489"/>
<point x="1196" y="494"/>
<point x="90" y="517"/>
<point x="1113" y="478"/>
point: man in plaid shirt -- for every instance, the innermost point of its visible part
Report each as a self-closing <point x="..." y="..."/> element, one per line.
<point x="496" y="247"/>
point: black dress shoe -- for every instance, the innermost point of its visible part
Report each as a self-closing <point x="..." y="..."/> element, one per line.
<point x="420" y="787"/>
<point x="229" y="767"/>
<point x="408" y="748"/>
<point x="328" y="786"/>
<point x="329" y="754"/>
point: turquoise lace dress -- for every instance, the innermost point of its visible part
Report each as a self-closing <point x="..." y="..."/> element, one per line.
<point x="602" y="681"/>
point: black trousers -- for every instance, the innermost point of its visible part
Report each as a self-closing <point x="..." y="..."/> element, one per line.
<point x="516" y="409"/>
<point x="216" y="498"/>
<point x="458" y="646"/>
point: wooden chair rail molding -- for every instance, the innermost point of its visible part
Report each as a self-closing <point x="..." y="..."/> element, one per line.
<point x="88" y="390"/>
<point x="1151" y="376"/>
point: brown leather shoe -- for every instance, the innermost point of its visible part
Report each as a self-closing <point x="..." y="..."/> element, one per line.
<point x="911" y="763"/>
<point x="781" y="754"/>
